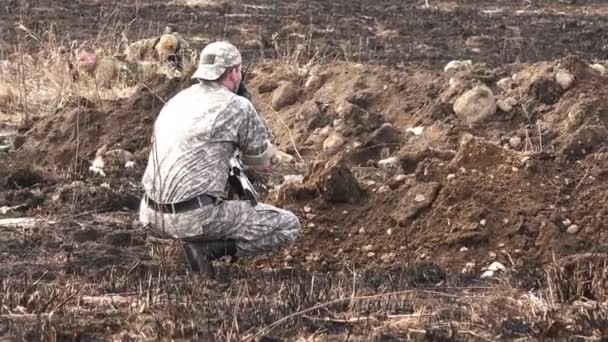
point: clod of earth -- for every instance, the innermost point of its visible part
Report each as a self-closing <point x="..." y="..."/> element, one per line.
<point x="415" y="200"/>
<point x="285" y="95"/>
<point x="585" y="140"/>
<point x="267" y="86"/>
<point x="386" y="134"/>
<point x="308" y="111"/>
<point x="546" y="90"/>
<point x="334" y="181"/>
<point x="476" y="105"/>
<point x="479" y="154"/>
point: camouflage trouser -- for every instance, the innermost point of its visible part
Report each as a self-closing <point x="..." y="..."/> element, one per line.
<point x="256" y="229"/>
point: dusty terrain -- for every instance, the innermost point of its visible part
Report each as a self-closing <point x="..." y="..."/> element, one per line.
<point x="422" y="218"/>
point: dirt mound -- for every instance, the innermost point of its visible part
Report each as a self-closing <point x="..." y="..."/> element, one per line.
<point x="509" y="189"/>
<point x="394" y="174"/>
<point x="72" y="136"/>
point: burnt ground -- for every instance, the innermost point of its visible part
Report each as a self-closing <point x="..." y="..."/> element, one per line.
<point x="386" y="257"/>
<point x="394" y="33"/>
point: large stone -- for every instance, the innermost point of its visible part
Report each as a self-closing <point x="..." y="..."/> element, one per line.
<point x="475" y="105"/>
<point x="285" y="95"/>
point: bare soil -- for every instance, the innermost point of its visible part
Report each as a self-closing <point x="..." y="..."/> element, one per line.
<point x="393" y="252"/>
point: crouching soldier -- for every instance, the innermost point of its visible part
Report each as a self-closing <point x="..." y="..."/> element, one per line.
<point x="186" y="180"/>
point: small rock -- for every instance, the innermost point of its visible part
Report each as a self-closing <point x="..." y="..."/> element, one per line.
<point x="368" y="248"/>
<point x="514" y="169"/>
<point x="362" y="230"/>
<point x="307" y="209"/>
<point x="388" y="257"/>
<point x="288" y="258"/>
<point x="476" y="105"/>
<point x="332" y="143"/>
<point x="600" y="68"/>
<point x="285" y="95"/>
<point x="389" y="232"/>
<point x="415" y="130"/>
<point x="501" y="245"/>
<point x="492" y="255"/>
<point x="311" y="225"/>
<point x="283" y="158"/>
<point x="130" y="164"/>
<point x="503" y="106"/>
<point x="487" y="274"/>
<point x="384" y="189"/>
<point x="345" y="212"/>
<point x="450" y="176"/>
<point x="511" y="101"/>
<point x="505" y="83"/>
<point x="496" y="266"/>
<point x="371" y="254"/>
<point x="389" y="163"/>
<point x="573" y="229"/>
<point x="515" y="142"/>
<point x="97" y="170"/>
<point x="564" y="79"/>
<point x="312" y="81"/>
<point x="455" y="65"/>
<point x="566" y="222"/>
<point x="464" y="249"/>
<point x="420" y="198"/>
<point x="325" y="131"/>
<point x="483" y="222"/>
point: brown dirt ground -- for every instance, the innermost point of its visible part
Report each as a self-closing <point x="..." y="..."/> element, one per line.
<point x="461" y="187"/>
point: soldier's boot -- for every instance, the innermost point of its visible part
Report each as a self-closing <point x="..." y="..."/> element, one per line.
<point x="200" y="255"/>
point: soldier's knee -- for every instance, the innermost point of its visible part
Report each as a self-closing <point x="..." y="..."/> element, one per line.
<point x="292" y="226"/>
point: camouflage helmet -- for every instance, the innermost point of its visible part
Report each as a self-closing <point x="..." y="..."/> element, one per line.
<point x="215" y="59"/>
<point x="166" y="45"/>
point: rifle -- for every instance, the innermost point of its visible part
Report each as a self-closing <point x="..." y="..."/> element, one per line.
<point x="242" y="91"/>
<point x="239" y="181"/>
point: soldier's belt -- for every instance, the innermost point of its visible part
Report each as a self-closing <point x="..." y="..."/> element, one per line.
<point x="197" y="202"/>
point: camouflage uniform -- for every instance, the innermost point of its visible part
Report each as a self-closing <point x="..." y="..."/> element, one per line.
<point x="195" y="135"/>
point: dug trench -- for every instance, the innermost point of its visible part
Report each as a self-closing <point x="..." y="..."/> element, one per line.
<point x="416" y="183"/>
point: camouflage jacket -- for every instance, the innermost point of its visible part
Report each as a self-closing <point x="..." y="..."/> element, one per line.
<point x="194" y="137"/>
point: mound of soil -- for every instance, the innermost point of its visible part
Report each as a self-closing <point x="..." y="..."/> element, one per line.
<point x="389" y="179"/>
